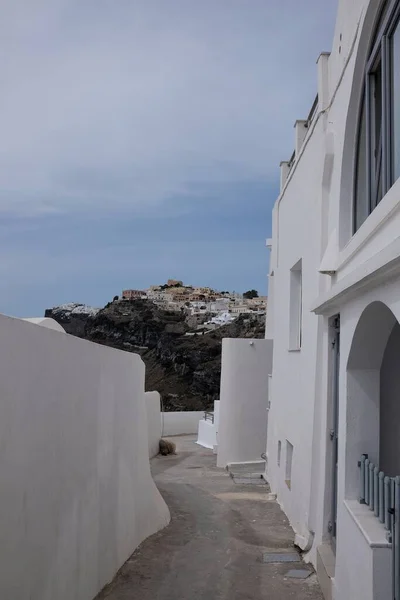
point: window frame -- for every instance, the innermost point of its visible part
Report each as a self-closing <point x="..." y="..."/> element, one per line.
<point x="388" y="19"/>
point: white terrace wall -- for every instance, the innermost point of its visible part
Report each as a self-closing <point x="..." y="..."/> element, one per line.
<point x="242" y="430"/>
<point x="46" y="322"/>
<point x="153" y="408"/>
<point x="180" y="423"/>
<point x="77" y="495"/>
<point x="208" y="430"/>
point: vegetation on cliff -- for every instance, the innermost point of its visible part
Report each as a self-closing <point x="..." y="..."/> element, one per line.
<point x="183" y="366"/>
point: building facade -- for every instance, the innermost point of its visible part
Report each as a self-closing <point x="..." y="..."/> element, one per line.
<point x="334" y="311"/>
<point x="133" y="294"/>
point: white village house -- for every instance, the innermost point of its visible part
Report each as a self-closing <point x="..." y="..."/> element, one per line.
<point x="334" y="312"/>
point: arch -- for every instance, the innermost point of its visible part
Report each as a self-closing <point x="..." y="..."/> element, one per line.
<point x="373" y="384"/>
<point x="353" y="118"/>
<point x="371" y="336"/>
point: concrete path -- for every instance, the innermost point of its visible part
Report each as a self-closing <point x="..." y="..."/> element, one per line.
<point x="214" y="547"/>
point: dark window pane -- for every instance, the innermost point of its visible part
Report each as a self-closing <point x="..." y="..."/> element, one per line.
<point x="395" y="133"/>
<point x="361" y="200"/>
<point x="375" y="91"/>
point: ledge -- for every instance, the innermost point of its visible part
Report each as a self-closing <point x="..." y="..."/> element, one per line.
<point x="384" y="265"/>
<point x="371" y="528"/>
<point x="385" y="210"/>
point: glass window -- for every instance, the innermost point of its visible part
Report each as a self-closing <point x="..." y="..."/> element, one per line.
<point x="395" y="129"/>
<point x="378" y="145"/>
<point x="361" y="208"/>
<point x="375" y="116"/>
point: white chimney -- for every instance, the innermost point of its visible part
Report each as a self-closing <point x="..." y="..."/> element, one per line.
<point x="284" y="172"/>
<point x="323" y="80"/>
<point x="300" y="133"/>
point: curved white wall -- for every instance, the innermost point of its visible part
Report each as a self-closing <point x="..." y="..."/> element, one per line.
<point x="46" y="322"/>
<point x="207" y="435"/>
<point x="77" y="496"/>
<point x="180" y="423"/>
<point x="153" y="408"/>
<point x="208" y="430"/>
<point x="242" y="430"/>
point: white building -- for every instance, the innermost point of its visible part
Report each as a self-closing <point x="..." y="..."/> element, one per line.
<point x="159" y="296"/>
<point x="222" y="319"/>
<point x="240" y="309"/>
<point x="334" y="310"/>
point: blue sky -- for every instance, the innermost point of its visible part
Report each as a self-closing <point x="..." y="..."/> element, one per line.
<point x="141" y="140"/>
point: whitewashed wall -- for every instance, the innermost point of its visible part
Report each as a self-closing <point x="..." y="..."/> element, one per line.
<point x="77" y="495"/>
<point x="208" y="430"/>
<point x="153" y="408"/>
<point x="242" y="430"/>
<point x="312" y="220"/>
<point x="46" y="322"/>
<point x="180" y="423"/>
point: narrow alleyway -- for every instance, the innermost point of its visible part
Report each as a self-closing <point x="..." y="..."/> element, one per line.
<point x="214" y="547"/>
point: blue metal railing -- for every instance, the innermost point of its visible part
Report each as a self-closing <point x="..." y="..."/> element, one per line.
<point x="377" y="491"/>
<point x="382" y="494"/>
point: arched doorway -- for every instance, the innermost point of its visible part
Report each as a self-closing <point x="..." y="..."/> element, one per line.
<point x="373" y="395"/>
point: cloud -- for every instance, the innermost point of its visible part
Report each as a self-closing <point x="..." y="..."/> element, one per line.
<point x="126" y="105"/>
<point x="140" y="140"/>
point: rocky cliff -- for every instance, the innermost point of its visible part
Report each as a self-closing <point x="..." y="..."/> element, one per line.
<point x="184" y="367"/>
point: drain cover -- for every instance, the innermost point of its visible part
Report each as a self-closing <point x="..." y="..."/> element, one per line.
<point x="284" y="557"/>
<point x="298" y="573"/>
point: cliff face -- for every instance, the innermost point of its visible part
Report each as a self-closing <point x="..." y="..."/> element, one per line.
<point x="185" y="369"/>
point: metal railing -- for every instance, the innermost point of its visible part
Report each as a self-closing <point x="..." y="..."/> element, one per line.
<point x="382" y="494"/>
<point x="377" y="490"/>
<point x="209" y="416"/>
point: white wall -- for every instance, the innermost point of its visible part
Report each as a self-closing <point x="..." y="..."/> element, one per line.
<point x="312" y="221"/>
<point x="242" y="431"/>
<point x="207" y="435"/>
<point x="208" y="430"/>
<point x="77" y="495"/>
<point x="46" y="322"/>
<point x="294" y="402"/>
<point x="153" y="408"/>
<point x="180" y="423"/>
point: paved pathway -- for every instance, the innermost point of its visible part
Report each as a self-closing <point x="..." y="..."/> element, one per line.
<point x="213" y="549"/>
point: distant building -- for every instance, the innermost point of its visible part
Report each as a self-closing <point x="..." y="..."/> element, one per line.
<point x="174" y="282"/>
<point x="222" y="319"/>
<point x="133" y="294"/>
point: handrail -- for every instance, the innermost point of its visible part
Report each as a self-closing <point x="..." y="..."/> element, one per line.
<point x="209" y="416"/>
<point x="378" y="491"/>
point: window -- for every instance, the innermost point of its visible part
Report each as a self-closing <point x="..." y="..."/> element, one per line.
<point x="289" y="459"/>
<point x="378" y="145"/>
<point x="279" y="453"/>
<point x="295" y="306"/>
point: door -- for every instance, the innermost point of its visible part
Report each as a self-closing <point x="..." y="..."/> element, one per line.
<point x="334" y="433"/>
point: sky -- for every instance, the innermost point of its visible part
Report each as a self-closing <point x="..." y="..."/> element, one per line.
<point x="141" y="140"/>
